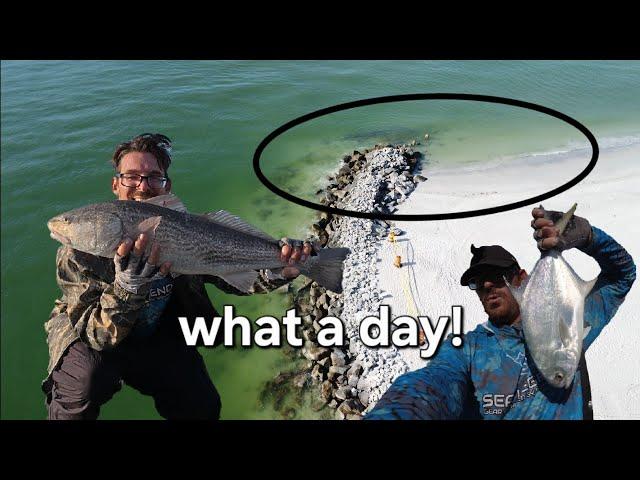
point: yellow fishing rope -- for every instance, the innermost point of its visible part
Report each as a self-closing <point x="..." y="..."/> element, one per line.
<point x="405" y="281"/>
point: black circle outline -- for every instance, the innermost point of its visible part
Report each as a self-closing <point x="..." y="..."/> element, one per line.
<point x="426" y="96"/>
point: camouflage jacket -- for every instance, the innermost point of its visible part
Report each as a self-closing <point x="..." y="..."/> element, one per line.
<point x="93" y="310"/>
<point x="492" y="375"/>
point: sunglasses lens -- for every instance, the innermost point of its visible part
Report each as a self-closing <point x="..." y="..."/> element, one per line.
<point x="497" y="278"/>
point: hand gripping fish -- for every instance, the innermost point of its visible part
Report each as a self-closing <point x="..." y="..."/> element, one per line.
<point x="216" y="243"/>
<point x="551" y="303"/>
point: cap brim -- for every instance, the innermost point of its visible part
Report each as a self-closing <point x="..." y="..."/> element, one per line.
<point x="482" y="265"/>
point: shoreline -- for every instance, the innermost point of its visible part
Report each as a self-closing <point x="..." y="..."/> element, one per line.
<point x="610" y="144"/>
<point x="439" y="253"/>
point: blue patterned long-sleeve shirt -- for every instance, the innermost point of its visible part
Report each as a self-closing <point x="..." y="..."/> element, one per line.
<point x="491" y="376"/>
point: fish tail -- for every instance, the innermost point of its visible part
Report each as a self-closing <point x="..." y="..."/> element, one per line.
<point x="327" y="268"/>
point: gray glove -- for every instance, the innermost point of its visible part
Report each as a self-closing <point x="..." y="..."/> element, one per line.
<point x="577" y="234"/>
<point x="134" y="273"/>
<point x="276" y="273"/>
<point x="300" y="244"/>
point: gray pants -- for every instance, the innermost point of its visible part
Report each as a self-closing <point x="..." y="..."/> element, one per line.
<point x="171" y="372"/>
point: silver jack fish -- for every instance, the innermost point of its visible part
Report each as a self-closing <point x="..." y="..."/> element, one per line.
<point x="552" y="313"/>
<point x="215" y="243"/>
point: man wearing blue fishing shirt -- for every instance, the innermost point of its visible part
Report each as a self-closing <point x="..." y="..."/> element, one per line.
<point x="491" y="376"/>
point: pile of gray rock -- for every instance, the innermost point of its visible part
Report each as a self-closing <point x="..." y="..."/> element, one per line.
<point x="353" y="378"/>
<point x="330" y="368"/>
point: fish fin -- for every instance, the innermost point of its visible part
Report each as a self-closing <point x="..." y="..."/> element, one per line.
<point x="226" y="219"/>
<point x="585" y="287"/>
<point x="586" y="331"/>
<point x="169" y="200"/>
<point x="149" y="225"/>
<point x="326" y="268"/>
<point x="243" y="281"/>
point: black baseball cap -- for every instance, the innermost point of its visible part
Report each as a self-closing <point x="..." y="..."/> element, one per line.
<point x="489" y="256"/>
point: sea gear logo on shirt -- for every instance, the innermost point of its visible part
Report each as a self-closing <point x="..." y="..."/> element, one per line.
<point x="498" y="404"/>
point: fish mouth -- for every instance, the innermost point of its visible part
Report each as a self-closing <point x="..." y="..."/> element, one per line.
<point x="55" y="225"/>
<point x="558" y="379"/>
<point x="60" y="238"/>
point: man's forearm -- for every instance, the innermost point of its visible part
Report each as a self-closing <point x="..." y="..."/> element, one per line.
<point x="614" y="282"/>
<point x="104" y="323"/>
<point x="435" y="392"/>
<point x="420" y="395"/>
<point x="615" y="262"/>
<point x="101" y="310"/>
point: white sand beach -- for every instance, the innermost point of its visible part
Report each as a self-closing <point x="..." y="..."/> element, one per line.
<point x="437" y="252"/>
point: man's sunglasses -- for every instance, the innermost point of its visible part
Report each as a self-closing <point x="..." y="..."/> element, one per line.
<point x="497" y="277"/>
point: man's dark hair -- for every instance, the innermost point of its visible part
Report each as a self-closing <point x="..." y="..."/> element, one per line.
<point x="155" y="143"/>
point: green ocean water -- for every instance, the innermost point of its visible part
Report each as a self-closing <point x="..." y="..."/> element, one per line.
<point x="61" y="121"/>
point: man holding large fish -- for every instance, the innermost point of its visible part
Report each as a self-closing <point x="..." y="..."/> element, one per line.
<point x="129" y="268"/>
<point x="527" y="360"/>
